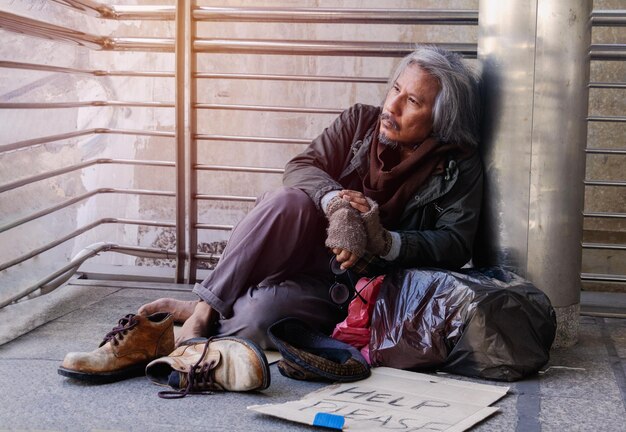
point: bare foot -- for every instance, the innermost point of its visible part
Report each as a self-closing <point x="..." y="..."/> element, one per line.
<point x="198" y="324"/>
<point x="181" y="310"/>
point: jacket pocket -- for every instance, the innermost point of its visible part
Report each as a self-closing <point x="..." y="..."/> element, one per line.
<point x="430" y="214"/>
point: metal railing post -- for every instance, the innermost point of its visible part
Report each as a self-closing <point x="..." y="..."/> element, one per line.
<point x="191" y="148"/>
<point x="181" y="137"/>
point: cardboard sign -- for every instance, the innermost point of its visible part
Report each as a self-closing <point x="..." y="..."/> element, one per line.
<point x="394" y="400"/>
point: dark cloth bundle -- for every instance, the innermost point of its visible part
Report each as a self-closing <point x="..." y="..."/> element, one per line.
<point x="311" y="355"/>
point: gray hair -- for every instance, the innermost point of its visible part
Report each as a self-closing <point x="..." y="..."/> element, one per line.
<point x="456" y="113"/>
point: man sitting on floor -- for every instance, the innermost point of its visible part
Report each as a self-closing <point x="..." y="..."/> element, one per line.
<point x="400" y="184"/>
<point x="393" y="186"/>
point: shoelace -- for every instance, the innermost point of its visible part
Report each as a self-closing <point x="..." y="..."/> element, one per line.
<point x="199" y="376"/>
<point x="123" y="326"/>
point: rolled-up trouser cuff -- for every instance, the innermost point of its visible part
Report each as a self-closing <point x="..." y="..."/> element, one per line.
<point x="212" y="300"/>
<point x="283" y="235"/>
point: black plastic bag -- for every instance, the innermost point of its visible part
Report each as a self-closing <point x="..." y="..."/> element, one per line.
<point x="486" y="323"/>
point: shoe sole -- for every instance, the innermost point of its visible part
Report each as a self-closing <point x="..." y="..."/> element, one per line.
<point x="106" y="377"/>
<point x="267" y="378"/>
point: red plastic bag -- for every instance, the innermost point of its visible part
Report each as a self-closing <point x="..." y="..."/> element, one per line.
<point x="355" y="329"/>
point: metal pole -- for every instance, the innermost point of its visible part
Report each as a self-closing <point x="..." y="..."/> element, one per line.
<point x="191" y="145"/>
<point x="181" y="29"/>
<point x="536" y="72"/>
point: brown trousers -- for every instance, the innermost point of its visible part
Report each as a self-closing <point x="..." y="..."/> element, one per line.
<point x="274" y="266"/>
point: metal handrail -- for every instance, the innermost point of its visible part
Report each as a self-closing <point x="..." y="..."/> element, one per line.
<point x="608" y="215"/>
<point x="232" y="168"/>
<point x="605" y="183"/>
<point x="60" y="276"/>
<point x="267" y="108"/>
<point x="207" y="197"/>
<point x="608" y="18"/>
<point x="101" y="103"/>
<point x="606" y="246"/>
<point x="207" y="257"/>
<point x="288" y="77"/>
<point x="103" y="10"/>
<point x="608" y="52"/>
<point x="42" y="29"/>
<point x="605" y="151"/>
<point x="257" y="139"/>
<point x="44" y="212"/>
<point x="323" y="48"/>
<point x="597" y="277"/>
<point x="53" y="173"/>
<point x="275" y="14"/>
<point x="58" y="137"/>
<point x="610" y="119"/>
<point x="214" y="226"/>
<point x="94" y="72"/>
<point x="42" y="140"/>
<point x="33" y="253"/>
<point x="607" y="85"/>
<point x="336" y="15"/>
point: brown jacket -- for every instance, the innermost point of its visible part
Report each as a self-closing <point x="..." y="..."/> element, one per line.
<point x="437" y="226"/>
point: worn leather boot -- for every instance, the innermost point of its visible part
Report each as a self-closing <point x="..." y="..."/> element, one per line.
<point x="201" y="365"/>
<point x="125" y="350"/>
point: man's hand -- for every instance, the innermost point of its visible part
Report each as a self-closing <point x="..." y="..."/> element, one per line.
<point x="346" y="258"/>
<point x="356" y="199"/>
<point x="378" y="238"/>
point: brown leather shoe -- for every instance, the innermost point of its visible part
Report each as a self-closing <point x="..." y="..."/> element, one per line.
<point x="125" y="350"/>
<point x="200" y="365"/>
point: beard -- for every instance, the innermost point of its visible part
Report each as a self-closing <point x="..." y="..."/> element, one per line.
<point x="387" y="142"/>
<point x="384" y="139"/>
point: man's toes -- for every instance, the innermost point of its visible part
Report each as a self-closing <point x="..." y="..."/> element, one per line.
<point x="180" y="310"/>
<point x="153" y="307"/>
<point x="144" y="310"/>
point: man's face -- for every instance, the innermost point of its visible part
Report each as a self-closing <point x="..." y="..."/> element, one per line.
<point x="408" y="109"/>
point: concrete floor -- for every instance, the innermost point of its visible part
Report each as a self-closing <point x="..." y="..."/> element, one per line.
<point x="582" y="389"/>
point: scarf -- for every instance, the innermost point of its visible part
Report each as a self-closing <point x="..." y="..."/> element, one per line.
<point x="391" y="182"/>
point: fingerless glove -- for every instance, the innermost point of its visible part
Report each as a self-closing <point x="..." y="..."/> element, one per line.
<point x="378" y="238"/>
<point x="345" y="227"/>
